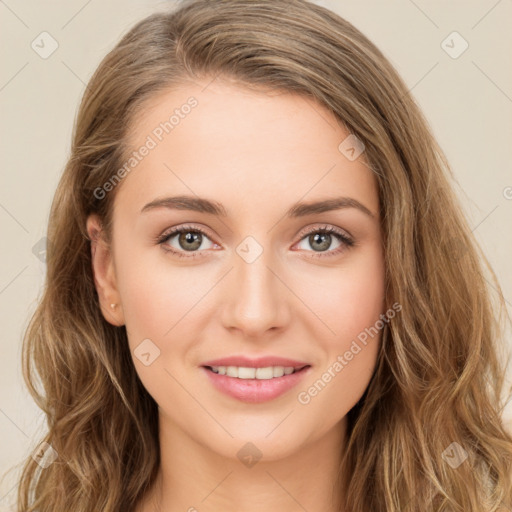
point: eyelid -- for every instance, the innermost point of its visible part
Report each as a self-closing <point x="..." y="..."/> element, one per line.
<point x="182" y="227"/>
<point x="325" y="228"/>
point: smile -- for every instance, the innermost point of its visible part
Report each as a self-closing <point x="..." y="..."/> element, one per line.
<point x="255" y="385"/>
<point x="244" y="372"/>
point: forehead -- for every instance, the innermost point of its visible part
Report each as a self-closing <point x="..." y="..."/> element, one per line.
<point x="249" y="149"/>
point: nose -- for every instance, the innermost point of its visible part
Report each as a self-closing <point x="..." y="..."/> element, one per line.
<point x="257" y="300"/>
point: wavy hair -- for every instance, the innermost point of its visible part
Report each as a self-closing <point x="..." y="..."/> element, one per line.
<point x="439" y="378"/>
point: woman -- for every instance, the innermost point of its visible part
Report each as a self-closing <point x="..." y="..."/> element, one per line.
<point x="253" y="298"/>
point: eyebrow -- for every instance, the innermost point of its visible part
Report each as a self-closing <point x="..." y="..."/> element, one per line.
<point x="202" y="205"/>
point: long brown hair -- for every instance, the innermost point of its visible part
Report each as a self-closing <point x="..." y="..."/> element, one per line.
<point x="438" y="378"/>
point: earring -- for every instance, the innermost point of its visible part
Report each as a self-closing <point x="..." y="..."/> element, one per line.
<point x="113" y="306"/>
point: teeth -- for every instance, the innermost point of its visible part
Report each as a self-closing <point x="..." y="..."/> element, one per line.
<point x="246" y="373"/>
<point x="278" y="371"/>
<point x="242" y="372"/>
<point x="232" y="371"/>
<point x="264" y="373"/>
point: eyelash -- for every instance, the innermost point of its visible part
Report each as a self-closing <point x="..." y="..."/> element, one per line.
<point x="346" y="241"/>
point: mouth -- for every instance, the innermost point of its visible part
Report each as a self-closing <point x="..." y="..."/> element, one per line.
<point x="255" y="384"/>
<point x="261" y="373"/>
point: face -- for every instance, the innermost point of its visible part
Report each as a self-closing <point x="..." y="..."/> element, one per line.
<point x="255" y="270"/>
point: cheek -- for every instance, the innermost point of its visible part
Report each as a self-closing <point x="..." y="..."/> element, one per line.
<point x="347" y="299"/>
<point x="158" y="302"/>
<point x="351" y="306"/>
<point x="156" y="293"/>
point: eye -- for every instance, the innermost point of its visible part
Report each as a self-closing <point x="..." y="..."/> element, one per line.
<point x="321" y="239"/>
<point x="188" y="239"/>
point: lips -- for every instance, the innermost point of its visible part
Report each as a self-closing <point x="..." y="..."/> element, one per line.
<point x="255" y="390"/>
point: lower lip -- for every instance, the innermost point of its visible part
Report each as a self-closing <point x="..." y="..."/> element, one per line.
<point x="255" y="390"/>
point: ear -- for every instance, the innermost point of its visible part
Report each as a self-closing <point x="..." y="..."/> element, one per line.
<point x="104" y="273"/>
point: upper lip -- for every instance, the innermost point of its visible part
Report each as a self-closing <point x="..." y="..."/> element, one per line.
<point x="258" y="362"/>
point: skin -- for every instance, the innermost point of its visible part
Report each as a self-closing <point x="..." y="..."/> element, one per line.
<point x="257" y="153"/>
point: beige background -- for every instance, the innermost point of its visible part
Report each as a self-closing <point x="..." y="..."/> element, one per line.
<point x="467" y="100"/>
